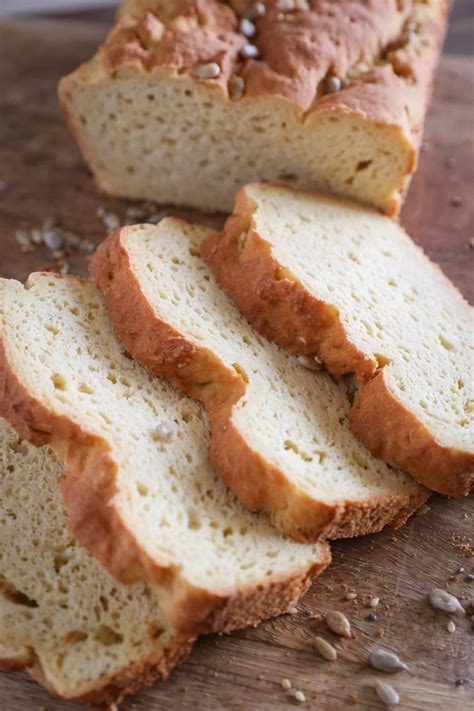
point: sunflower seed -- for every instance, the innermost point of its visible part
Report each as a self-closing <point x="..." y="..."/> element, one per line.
<point x="249" y="51"/>
<point x="211" y="70"/>
<point x="236" y="87"/>
<point x="325" y="650"/>
<point x="300" y="697"/>
<point x="386" y="693"/>
<point x="333" y="85"/>
<point x="312" y="363"/>
<point x="386" y="661"/>
<point x="52" y="240"/>
<point x="256" y="10"/>
<point x="286" y="684"/>
<point x="443" y="600"/>
<point x="338" y="623"/>
<point x="247" y="27"/>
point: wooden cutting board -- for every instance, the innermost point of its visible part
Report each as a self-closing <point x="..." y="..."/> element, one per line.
<point x="45" y="177"/>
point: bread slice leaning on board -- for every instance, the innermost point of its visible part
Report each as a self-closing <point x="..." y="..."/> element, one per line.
<point x="280" y="435"/>
<point x="328" y="278"/>
<point x="75" y="629"/>
<point x="139" y="491"/>
<point x="328" y="95"/>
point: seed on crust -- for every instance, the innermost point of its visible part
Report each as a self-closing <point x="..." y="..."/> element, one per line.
<point x="210" y="70"/>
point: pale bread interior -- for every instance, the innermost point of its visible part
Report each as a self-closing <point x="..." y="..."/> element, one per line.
<point x="61" y="613"/>
<point x="295" y="418"/>
<point x="394" y="304"/>
<point x="61" y="345"/>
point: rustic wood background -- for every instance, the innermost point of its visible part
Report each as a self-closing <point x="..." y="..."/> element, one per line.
<point x="42" y="176"/>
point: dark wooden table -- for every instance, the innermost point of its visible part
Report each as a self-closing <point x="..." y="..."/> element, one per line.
<point x="45" y="177"/>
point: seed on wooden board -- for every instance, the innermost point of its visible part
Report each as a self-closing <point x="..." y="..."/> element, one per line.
<point x="451" y="627"/>
<point x="372" y="616"/>
<point x="210" y="70"/>
<point x="374" y="601"/>
<point x="338" y="623"/>
<point x="351" y="595"/>
<point x="386" y="693"/>
<point x="423" y="510"/>
<point x="286" y="684"/>
<point x="236" y="87"/>
<point x="325" y="650"/>
<point x="292" y="611"/>
<point x="443" y="600"/>
<point x="300" y="697"/>
<point x="386" y="661"/>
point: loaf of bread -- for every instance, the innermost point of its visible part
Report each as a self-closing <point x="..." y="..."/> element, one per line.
<point x="139" y="491"/>
<point x="65" y="619"/>
<point x="327" y="278"/>
<point x="188" y="100"/>
<point x="281" y="436"/>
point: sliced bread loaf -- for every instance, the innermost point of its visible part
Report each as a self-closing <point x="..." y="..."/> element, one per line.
<point x="77" y="631"/>
<point x="328" y="278"/>
<point x="139" y="491"/>
<point x="281" y="437"/>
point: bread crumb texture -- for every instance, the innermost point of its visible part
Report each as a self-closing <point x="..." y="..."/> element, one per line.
<point x="139" y="488"/>
<point x="329" y="95"/>
<point x="298" y="457"/>
<point x="404" y="324"/>
<point x="78" y="631"/>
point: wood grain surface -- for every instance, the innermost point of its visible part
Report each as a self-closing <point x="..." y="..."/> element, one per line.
<point x="43" y="176"/>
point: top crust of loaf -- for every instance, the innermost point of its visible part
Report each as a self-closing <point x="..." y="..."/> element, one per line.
<point x="263" y="479"/>
<point x="384" y="52"/>
<point x="266" y="279"/>
<point x="102" y="503"/>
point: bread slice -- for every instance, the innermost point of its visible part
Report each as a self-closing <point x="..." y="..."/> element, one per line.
<point x="140" y="493"/>
<point x="328" y="278"/>
<point x="281" y="437"/>
<point x="77" y="631"/>
<point x="335" y="99"/>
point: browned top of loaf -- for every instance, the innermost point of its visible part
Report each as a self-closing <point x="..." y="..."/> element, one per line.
<point x="384" y="51"/>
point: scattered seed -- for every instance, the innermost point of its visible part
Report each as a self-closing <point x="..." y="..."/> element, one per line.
<point x="469" y="577"/>
<point x="338" y="623"/>
<point x="451" y="627"/>
<point x="459" y="570"/>
<point x="52" y="240"/>
<point x="456" y="200"/>
<point x="460" y="682"/>
<point x="292" y="611"/>
<point x="36" y="236"/>
<point x="372" y="616"/>
<point x="443" y="600"/>
<point x="250" y="51"/>
<point x="236" y="87"/>
<point x="325" y="650"/>
<point x="300" y="697"/>
<point x="110" y="220"/>
<point x="386" y="661"/>
<point x="163" y="432"/>
<point x="351" y="595"/>
<point x="23" y="238"/>
<point x="286" y="684"/>
<point x="247" y="27"/>
<point x="312" y="363"/>
<point x="256" y="10"/>
<point x="386" y="693"/>
<point x="333" y="85"/>
<point x="374" y="602"/>
<point x="210" y="70"/>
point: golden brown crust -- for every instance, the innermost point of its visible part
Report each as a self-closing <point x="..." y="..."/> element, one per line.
<point x="385" y="53"/>
<point x="402" y="440"/>
<point x="202" y="375"/>
<point x="281" y="308"/>
<point x="111" y="689"/>
<point x="89" y="484"/>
